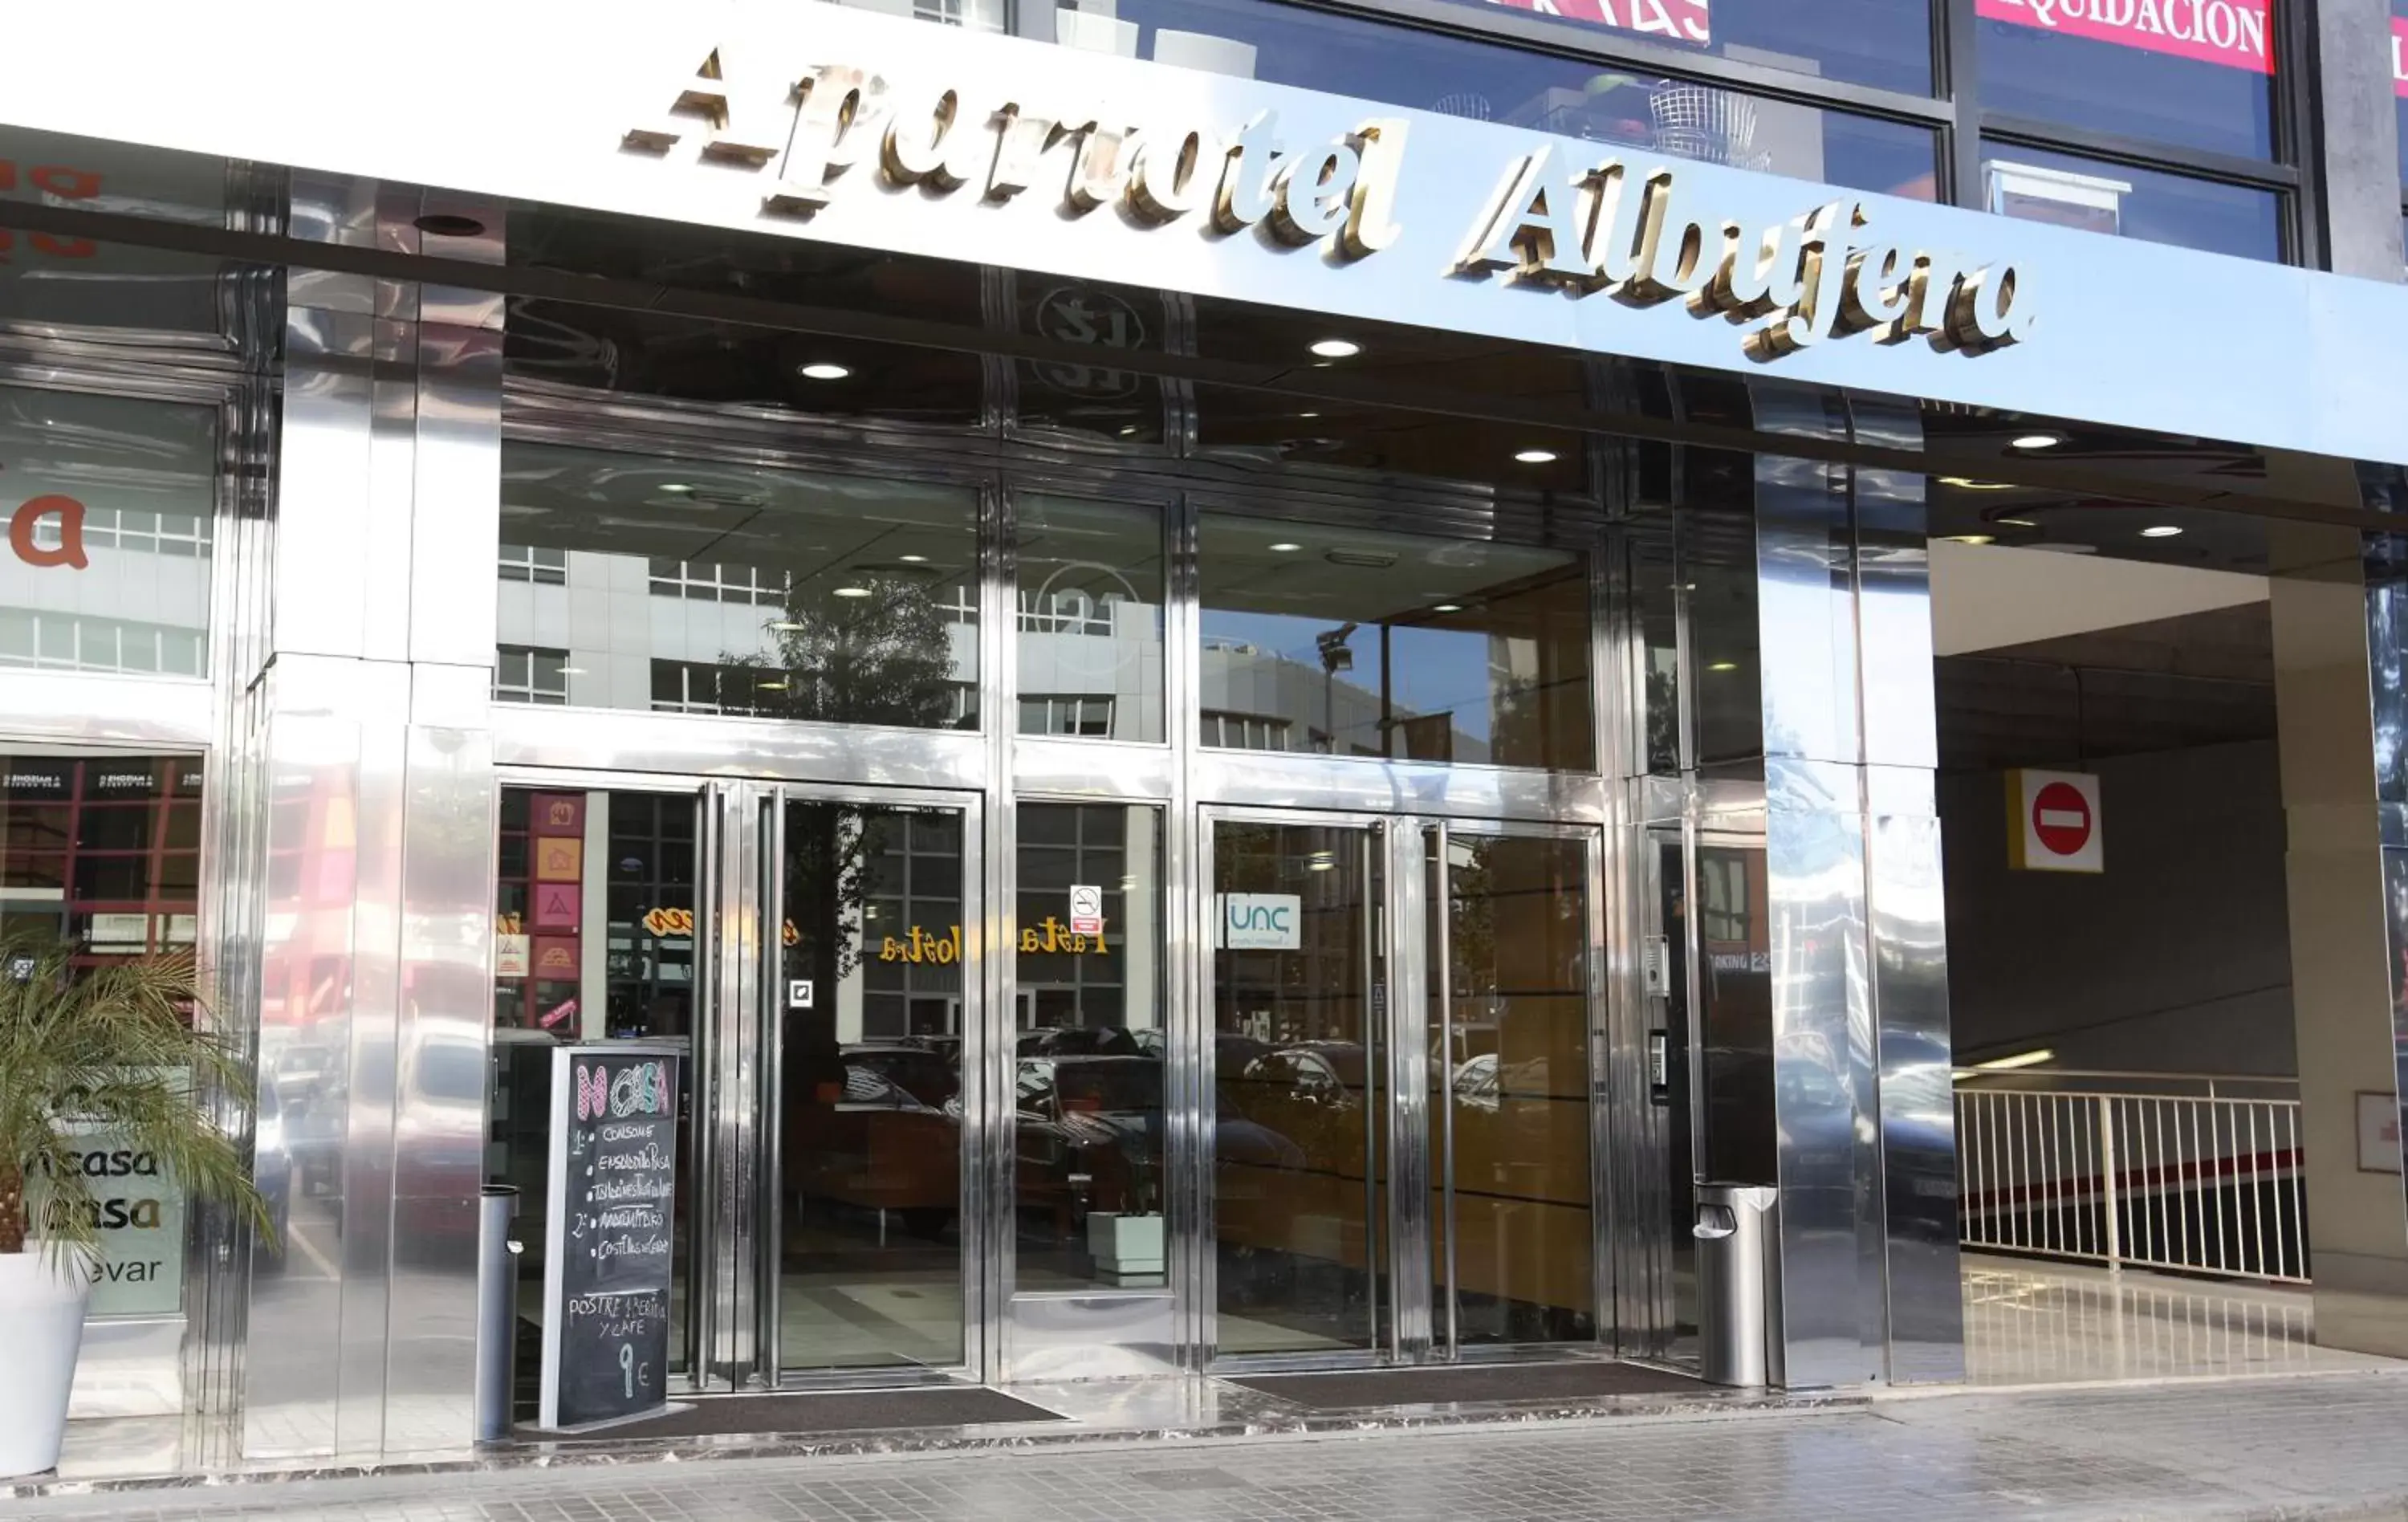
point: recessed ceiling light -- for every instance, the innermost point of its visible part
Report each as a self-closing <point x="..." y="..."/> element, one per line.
<point x="1337" y="348"/>
<point x="1536" y="456"/>
<point x="1284" y="548"/>
<point x="677" y="488"/>
<point x="1972" y="538"/>
<point x="2159" y="531"/>
<point x="1448" y="607"/>
<point x="1723" y="666"/>
<point x="2016" y="523"/>
<point x="913" y="560"/>
<point x="2038" y="441"/>
<point x="770" y="686"/>
<point x="1308" y="414"/>
<point x="1323" y="861"/>
<point x="822" y="370"/>
<point x="1966" y="483"/>
<point x="1128" y="430"/>
<point x="853" y="591"/>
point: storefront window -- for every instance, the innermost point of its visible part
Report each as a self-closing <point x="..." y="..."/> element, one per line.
<point x="2196" y="73"/>
<point x="103" y="852"/>
<point x="1357" y="642"/>
<point x="1090" y="1045"/>
<point x="690" y="587"/>
<point x="1485" y="82"/>
<point x="111" y="510"/>
<point x="1091" y="593"/>
<point x="2117" y="198"/>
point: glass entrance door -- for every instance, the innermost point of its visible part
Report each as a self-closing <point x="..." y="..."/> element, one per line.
<point x="1401" y="1175"/>
<point x="871" y="1029"/>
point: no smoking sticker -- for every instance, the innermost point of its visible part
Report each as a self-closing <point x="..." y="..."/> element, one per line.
<point x="2053" y="822"/>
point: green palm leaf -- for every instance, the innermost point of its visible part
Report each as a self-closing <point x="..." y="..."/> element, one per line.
<point x="125" y="1048"/>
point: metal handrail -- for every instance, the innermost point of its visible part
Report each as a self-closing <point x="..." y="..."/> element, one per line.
<point x="2194" y="1183"/>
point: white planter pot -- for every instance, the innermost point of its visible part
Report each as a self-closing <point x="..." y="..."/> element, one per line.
<point x="1125" y="1245"/>
<point x="42" y="1304"/>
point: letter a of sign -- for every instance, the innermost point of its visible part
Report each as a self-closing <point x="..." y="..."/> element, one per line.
<point x="69" y="550"/>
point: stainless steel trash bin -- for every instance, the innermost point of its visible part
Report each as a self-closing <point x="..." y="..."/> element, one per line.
<point x="498" y="1311"/>
<point x="1739" y="1283"/>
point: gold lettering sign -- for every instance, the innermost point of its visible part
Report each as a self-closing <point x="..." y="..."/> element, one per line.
<point x="923" y="946"/>
<point x="1052" y="935"/>
<point x="1643" y="241"/>
<point x="679" y="922"/>
<point x="841" y="120"/>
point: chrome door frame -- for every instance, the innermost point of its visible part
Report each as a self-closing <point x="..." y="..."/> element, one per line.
<point x="985" y="1127"/>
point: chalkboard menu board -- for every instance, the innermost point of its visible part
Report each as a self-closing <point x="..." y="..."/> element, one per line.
<point x="609" y="1230"/>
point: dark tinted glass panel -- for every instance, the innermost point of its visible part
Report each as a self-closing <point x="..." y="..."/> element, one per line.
<point x="1485" y="82"/>
<point x="1091" y="1047"/>
<point x="1091" y="593"/>
<point x="2134" y="203"/>
<point x="121" y="497"/>
<point x="1358" y="642"/>
<point x="1877" y="42"/>
<point x="691" y="587"/>
<point x="2195" y="72"/>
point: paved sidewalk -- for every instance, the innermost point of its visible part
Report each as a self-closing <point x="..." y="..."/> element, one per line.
<point x="2324" y="1446"/>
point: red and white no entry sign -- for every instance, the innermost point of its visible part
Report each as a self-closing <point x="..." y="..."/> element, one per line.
<point x="2053" y="822"/>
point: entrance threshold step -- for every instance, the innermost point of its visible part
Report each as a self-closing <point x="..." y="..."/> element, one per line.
<point x="831" y="1411"/>
<point x="1484" y="1384"/>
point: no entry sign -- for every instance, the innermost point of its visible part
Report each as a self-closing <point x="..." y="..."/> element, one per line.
<point x="2053" y="822"/>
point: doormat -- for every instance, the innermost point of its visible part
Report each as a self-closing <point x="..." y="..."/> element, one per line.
<point x="836" y="1410"/>
<point x="1584" y="1379"/>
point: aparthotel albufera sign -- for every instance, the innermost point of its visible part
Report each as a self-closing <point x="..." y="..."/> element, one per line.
<point x="1637" y="232"/>
<point x="833" y="124"/>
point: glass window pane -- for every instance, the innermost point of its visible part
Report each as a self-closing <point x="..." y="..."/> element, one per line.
<point x="704" y="588"/>
<point x="1091" y="596"/>
<point x="1091" y="1045"/>
<point x="1886" y="43"/>
<point x="1489" y="82"/>
<point x="1360" y="642"/>
<point x="2398" y="46"/>
<point x="2134" y="203"/>
<point x="2199" y="73"/>
<point x="104" y="601"/>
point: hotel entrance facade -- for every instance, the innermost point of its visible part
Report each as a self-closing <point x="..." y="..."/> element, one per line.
<point x="1246" y="739"/>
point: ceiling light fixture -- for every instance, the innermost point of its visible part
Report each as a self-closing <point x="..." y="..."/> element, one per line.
<point x="1284" y="548"/>
<point x="1966" y="483"/>
<point x="1308" y="414"/>
<point x="2038" y="440"/>
<point x="822" y="370"/>
<point x="1971" y="538"/>
<point x="1536" y="456"/>
<point x="2015" y="523"/>
<point x="2160" y="531"/>
<point x="913" y="560"/>
<point x="770" y="686"/>
<point x="853" y="591"/>
<point x="1337" y="348"/>
<point x="677" y="488"/>
<point x="1723" y="666"/>
<point x="1448" y="607"/>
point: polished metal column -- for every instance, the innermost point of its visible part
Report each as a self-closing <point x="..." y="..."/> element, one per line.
<point x="368" y="869"/>
<point x="1858" y="965"/>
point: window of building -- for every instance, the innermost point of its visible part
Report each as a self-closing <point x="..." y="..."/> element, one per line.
<point x="103" y="852"/>
<point x="1636" y="107"/>
<point x="118" y="497"/>
<point x="2193" y="74"/>
<point x="1086" y="717"/>
<point x="2124" y="200"/>
<point x="525" y="675"/>
<point x="1244" y="731"/>
<point x="1369" y="643"/>
<point x="779" y="594"/>
<point x="1091" y="599"/>
<point x="531" y="563"/>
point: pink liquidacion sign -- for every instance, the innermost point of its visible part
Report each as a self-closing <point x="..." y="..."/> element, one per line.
<point x="2237" y="34"/>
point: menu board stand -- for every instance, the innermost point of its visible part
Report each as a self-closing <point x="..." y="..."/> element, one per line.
<point x="609" y="1227"/>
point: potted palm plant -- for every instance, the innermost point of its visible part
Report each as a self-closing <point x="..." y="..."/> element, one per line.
<point x="92" y="1059"/>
